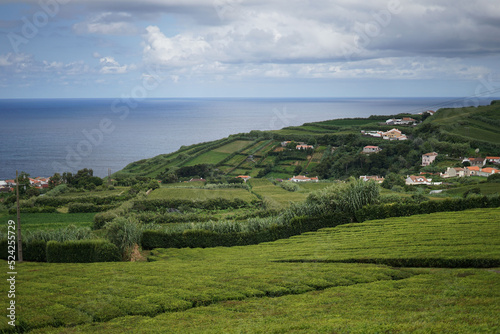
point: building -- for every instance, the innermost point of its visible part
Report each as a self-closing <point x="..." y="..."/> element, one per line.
<point x="394" y="134"/>
<point x="477" y="161"/>
<point x="374" y="178"/>
<point x="453" y="172"/>
<point x="197" y="180"/>
<point x="244" y="177"/>
<point x="304" y="147"/>
<point x="371" y="149"/>
<point x="495" y="160"/>
<point x="472" y="171"/>
<point x="417" y="180"/>
<point x="401" y="121"/>
<point x="301" y="178"/>
<point x="428" y="158"/>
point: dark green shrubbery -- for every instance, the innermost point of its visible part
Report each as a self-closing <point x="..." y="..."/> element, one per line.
<point x="82" y="251"/>
<point x="382" y="211"/>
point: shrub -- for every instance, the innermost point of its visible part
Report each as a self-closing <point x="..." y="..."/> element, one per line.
<point x="82" y="251"/>
<point x="34" y="250"/>
<point x="289" y="186"/>
<point x="124" y="234"/>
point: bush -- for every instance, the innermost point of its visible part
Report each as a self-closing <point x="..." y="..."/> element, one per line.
<point x="124" y="234"/>
<point x="102" y="218"/>
<point x="82" y="251"/>
<point x="34" y="250"/>
<point x="383" y="211"/>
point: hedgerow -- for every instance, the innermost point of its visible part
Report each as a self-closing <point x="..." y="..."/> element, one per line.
<point x="382" y="211"/>
<point x="82" y="251"/>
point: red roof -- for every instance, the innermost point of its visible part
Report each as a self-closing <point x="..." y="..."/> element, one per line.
<point x="492" y="158"/>
<point x="490" y="170"/>
<point x="369" y="146"/>
<point x="476" y="168"/>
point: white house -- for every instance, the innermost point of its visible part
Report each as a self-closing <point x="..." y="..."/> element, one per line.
<point x="417" y="179"/>
<point x="302" y="178"/>
<point x="453" y="172"/>
<point x="428" y="158"/>
<point x="374" y="178"/>
<point x="495" y="160"/>
<point x="371" y="149"/>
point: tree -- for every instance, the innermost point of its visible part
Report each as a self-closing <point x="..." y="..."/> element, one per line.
<point x="393" y="179"/>
<point x="55" y="180"/>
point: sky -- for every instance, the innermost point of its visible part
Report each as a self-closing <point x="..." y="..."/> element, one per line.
<point x="249" y="48"/>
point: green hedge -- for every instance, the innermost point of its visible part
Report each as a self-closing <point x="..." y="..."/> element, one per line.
<point x="383" y="211"/>
<point x="34" y="250"/>
<point x="97" y="200"/>
<point x="42" y="209"/>
<point x="210" y="204"/>
<point x="82" y="251"/>
<point x="204" y="238"/>
<point x="88" y="207"/>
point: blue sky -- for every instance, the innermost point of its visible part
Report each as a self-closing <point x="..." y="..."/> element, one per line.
<point x="249" y="48"/>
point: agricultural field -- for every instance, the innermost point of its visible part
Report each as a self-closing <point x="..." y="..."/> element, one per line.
<point x="201" y="194"/>
<point x="275" y="195"/>
<point x="50" y="221"/>
<point x="234" y="146"/>
<point x="485" y="188"/>
<point x="211" y="157"/>
<point x="295" y="285"/>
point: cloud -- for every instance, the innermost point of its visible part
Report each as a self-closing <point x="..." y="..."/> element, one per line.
<point x="110" y="66"/>
<point x="108" y="23"/>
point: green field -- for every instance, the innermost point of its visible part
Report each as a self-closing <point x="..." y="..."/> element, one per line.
<point x="211" y="157"/>
<point x="275" y="195"/>
<point x="486" y="189"/>
<point x="201" y="194"/>
<point x="51" y="221"/>
<point x="233" y="147"/>
<point x="255" y="289"/>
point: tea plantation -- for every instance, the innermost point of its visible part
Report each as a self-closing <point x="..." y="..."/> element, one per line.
<point x="296" y="285"/>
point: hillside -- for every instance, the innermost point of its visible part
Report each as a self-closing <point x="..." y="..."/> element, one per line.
<point x="293" y="285"/>
<point x="337" y="148"/>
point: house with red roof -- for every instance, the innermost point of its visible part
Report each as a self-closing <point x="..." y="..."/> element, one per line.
<point x="302" y="178"/>
<point x="371" y="149"/>
<point x="495" y="160"/>
<point x="418" y="180"/>
<point x="428" y="158"/>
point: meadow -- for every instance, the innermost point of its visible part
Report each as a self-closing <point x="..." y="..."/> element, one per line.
<point x="296" y="285"/>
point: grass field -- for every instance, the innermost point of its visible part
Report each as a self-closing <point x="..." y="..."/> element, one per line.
<point x="233" y="147"/>
<point x="201" y="194"/>
<point x="251" y="290"/>
<point x="211" y="157"/>
<point x="275" y="195"/>
<point x="486" y="189"/>
<point x="51" y="221"/>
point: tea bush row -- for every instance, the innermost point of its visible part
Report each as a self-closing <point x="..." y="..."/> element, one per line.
<point x="203" y="238"/>
<point x="74" y="251"/>
<point x="97" y="200"/>
<point x="88" y="207"/>
<point x="40" y="209"/>
<point x="382" y="211"/>
<point x="210" y="204"/>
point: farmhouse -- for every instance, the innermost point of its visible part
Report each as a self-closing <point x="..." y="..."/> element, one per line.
<point x="301" y="178"/>
<point x="244" y="177"/>
<point x="304" y="147"/>
<point x="394" y="134"/>
<point x="472" y="171"/>
<point x="453" y="172"/>
<point x="371" y="149"/>
<point x="401" y="121"/>
<point x="477" y="161"/>
<point x="428" y="158"/>
<point x="495" y="160"/>
<point x="374" y="178"/>
<point x="416" y="180"/>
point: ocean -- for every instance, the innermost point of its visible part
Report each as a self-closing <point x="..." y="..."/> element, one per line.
<point x="44" y="136"/>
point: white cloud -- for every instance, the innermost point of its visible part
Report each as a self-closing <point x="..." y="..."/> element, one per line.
<point x="107" y="24"/>
<point x="110" y="66"/>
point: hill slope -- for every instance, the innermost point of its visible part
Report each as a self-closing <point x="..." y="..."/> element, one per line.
<point x="337" y="149"/>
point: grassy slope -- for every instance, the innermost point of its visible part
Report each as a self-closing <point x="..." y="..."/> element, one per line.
<point x="462" y="123"/>
<point x="227" y="289"/>
<point x="201" y="194"/>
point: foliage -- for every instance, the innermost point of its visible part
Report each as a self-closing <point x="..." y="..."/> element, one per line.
<point x="124" y="234"/>
<point x="82" y="251"/>
<point x="289" y="186"/>
<point x="399" y="209"/>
